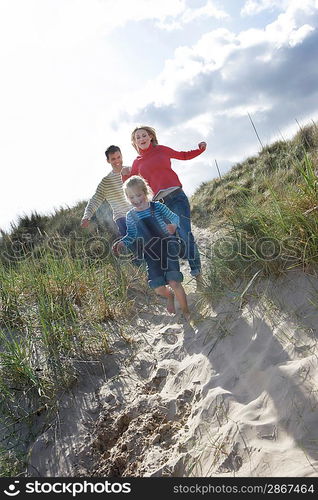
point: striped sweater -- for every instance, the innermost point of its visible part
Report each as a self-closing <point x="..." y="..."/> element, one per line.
<point x="109" y="189"/>
<point x="161" y="213"/>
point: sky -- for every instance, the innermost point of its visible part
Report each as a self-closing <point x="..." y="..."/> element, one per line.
<point x="79" y="75"/>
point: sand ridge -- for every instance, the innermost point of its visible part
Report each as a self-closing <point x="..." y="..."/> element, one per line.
<point x="233" y="394"/>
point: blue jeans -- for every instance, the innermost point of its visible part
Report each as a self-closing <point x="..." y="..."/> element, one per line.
<point x="162" y="262"/>
<point x="179" y="204"/>
<point x="121" y="224"/>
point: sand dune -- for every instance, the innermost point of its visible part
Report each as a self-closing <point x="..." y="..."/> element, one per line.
<point x="234" y="394"/>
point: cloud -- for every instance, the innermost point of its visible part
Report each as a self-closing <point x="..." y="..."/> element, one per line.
<point x="75" y="21"/>
<point x="211" y="86"/>
<point x="252" y="7"/>
<point x="190" y="15"/>
<point x="68" y="88"/>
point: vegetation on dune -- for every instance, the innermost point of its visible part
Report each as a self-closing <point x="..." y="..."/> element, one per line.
<point x="62" y="296"/>
<point x="275" y="167"/>
<point x="62" y="293"/>
<point x="265" y="210"/>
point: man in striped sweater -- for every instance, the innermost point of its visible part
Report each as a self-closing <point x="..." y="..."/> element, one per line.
<point x="110" y="189"/>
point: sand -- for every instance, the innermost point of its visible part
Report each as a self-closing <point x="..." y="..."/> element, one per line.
<point x="233" y="394"/>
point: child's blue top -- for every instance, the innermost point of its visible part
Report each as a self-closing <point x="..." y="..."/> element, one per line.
<point x="161" y="212"/>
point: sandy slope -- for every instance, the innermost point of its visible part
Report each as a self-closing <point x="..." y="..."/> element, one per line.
<point x="234" y="394"/>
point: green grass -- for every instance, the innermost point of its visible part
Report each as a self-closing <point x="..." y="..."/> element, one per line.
<point x="274" y="167"/>
<point x="269" y="217"/>
<point x="55" y="310"/>
<point x="11" y="463"/>
<point x="62" y="291"/>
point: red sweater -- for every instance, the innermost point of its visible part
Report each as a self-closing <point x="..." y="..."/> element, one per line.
<point x="154" y="165"/>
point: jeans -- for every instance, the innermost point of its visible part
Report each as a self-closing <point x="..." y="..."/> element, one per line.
<point x="179" y="204"/>
<point x="162" y="264"/>
<point x="121" y="224"/>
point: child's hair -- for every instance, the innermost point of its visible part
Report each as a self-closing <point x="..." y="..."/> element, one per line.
<point x="140" y="182"/>
<point x="151" y="131"/>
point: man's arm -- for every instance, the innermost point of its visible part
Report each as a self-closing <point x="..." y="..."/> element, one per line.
<point x="95" y="202"/>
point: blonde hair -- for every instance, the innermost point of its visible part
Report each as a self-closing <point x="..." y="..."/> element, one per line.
<point x="151" y="131"/>
<point x="137" y="181"/>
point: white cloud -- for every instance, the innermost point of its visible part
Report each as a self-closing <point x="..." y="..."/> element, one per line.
<point x="208" y="10"/>
<point x="203" y="124"/>
<point x="297" y="36"/>
<point x="208" y="54"/>
<point x="252" y="7"/>
<point x="209" y="88"/>
<point x="221" y="54"/>
<point x="290" y="27"/>
<point x="67" y="90"/>
<point x="189" y="15"/>
<point x="213" y="51"/>
<point x="64" y="23"/>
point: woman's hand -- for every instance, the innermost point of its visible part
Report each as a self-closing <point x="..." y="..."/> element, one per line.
<point x="117" y="246"/>
<point x="171" y="228"/>
<point x="202" y="145"/>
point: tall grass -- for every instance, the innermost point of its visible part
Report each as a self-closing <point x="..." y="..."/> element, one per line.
<point x="268" y="233"/>
<point x="55" y="311"/>
<point x="62" y="292"/>
<point x="276" y="163"/>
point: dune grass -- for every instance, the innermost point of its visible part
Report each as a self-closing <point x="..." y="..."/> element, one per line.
<point x="58" y="304"/>
<point x="62" y="291"/>
<point x="268" y="218"/>
<point x="274" y="167"/>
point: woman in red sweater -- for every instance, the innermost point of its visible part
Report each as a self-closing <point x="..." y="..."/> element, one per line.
<point x="153" y="163"/>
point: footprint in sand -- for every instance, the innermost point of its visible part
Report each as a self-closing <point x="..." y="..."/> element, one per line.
<point x="170" y="334"/>
<point x="171" y="339"/>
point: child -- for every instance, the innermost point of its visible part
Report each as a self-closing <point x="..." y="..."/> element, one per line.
<point x="146" y="222"/>
<point x="153" y="163"/>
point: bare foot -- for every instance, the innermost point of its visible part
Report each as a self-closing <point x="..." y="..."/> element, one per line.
<point x="170" y="305"/>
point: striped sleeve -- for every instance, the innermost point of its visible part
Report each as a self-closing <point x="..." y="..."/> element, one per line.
<point x="166" y="213"/>
<point x="110" y="189"/>
<point x="131" y="234"/>
<point x="96" y="200"/>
